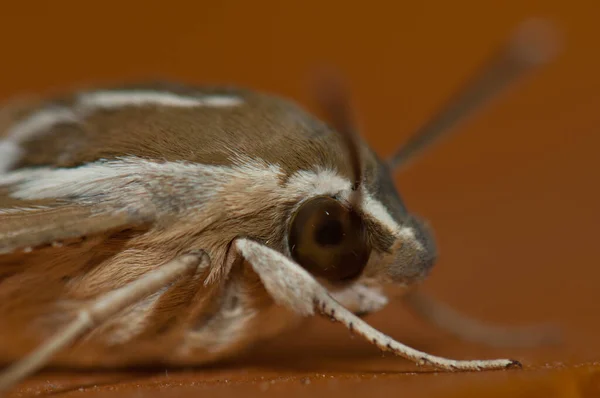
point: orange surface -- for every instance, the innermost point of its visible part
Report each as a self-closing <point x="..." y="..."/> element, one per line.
<point x="514" y="197"/>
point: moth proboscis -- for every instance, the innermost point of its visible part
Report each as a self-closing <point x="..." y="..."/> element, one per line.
<point x="209" y="219"/>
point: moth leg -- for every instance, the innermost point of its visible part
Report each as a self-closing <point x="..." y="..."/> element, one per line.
<point x="293" y="287"/>
<point x="98" y="311"/>
<point x="469" y="329"/>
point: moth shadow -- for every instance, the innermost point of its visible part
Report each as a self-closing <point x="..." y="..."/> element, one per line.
<point x="271" y="359"/>
<point x="313" y="350"/>
<point x="58" y="381"/>
<point x="294" y="353"/>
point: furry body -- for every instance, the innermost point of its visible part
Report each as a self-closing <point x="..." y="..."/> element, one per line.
<point x="158" y="172"/>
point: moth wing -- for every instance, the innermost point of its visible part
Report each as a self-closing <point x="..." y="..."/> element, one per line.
<point x="30" y="224"/>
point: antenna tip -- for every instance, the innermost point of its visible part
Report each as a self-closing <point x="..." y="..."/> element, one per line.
<point x="536" y="42"/>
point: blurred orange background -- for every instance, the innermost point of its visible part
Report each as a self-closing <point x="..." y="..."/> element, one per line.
<point x="514" y="196"/>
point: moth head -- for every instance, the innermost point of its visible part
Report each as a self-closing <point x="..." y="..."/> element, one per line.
<point x="337" y="242"/>
<point x="341" y="242"/>
<point x="363" y="229"/>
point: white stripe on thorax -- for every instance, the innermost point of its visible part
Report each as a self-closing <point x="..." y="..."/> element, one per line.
<point x="118" y="99"/>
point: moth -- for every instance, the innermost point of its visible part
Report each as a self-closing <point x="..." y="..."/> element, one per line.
<point x="178" y="225"/>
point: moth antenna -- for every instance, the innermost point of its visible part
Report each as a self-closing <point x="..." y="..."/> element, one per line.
<point x="469" y="329"/>
<point x="99" y="311"/>
<point x="333" y="98"/>
<point x="534" y="43"/>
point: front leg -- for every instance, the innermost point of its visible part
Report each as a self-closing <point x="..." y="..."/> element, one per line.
<point x="293" y="287"/>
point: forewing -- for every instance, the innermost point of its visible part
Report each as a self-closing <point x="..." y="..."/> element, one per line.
<point x="25" y="225"/>
<point x="28" y="223"/>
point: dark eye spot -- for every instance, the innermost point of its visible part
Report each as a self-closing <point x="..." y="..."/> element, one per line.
<point x="330" y="233"/>
<point x="329" y="240"/>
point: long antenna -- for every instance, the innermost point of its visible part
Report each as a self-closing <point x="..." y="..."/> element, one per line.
<point x="334" y="99"/>
<point x="533" y="44"/>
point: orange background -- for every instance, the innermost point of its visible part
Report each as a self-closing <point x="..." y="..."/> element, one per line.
<point x="513" y="197"/>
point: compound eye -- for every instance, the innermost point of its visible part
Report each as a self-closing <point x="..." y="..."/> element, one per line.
<point x="329" y="240"/>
